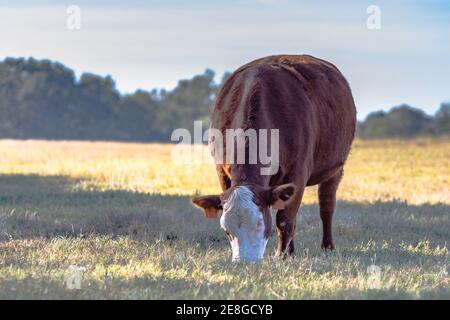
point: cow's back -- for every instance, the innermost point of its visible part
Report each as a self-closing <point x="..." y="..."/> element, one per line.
<point x="306" y="98"/>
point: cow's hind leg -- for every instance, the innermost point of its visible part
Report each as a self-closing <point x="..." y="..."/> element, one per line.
<point x="286" y="221"/>
<point x="327" y="203"/>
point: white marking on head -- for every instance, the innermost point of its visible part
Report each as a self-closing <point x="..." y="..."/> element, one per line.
<point x="244" y="223"/>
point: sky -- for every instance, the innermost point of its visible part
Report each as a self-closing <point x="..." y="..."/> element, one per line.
<point x="153" y="44"/>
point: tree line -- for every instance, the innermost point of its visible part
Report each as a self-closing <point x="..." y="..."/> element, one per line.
<point x="41" y="99"/>
<point x="405" y="121"/>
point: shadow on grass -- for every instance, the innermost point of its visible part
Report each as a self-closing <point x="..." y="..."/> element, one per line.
<point x="49" y="206"/>
<point x="394" y="235"/>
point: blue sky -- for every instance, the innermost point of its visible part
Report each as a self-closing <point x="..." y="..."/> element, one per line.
<point x="148" y="44"/>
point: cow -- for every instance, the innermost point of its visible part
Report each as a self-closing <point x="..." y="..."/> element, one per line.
<point x="310" y="103"/>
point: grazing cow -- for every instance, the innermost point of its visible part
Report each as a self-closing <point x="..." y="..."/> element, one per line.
<point x="311" y="104"/>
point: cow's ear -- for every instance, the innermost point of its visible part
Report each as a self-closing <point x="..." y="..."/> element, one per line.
<point x="209" y="204"/>
<point x="281" y="195"/>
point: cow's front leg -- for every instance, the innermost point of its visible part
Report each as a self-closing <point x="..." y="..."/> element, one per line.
<point x="286" y="221"/>
<point x="285" y="234"/>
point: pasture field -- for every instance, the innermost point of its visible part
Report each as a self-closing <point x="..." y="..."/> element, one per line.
<point x="122" y="212"/>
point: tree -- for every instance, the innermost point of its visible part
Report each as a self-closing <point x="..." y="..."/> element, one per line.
<point x="190" y="100"/>
<point x="400" y="122"/>
<point x="441" y="122"/>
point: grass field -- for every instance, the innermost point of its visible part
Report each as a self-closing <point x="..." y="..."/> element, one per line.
<point x="121" y="211"/>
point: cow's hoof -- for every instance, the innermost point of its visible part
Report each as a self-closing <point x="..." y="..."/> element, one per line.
<point x="284" y="255"/>
<point x="327" y="246"/>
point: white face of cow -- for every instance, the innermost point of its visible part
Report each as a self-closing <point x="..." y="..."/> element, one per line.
<point x="243" y="222"/>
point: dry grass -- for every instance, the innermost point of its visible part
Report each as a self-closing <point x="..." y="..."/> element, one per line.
<point x="121" y="211"/>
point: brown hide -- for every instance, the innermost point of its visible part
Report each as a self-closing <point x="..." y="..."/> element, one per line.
<point x="311" y="104"/>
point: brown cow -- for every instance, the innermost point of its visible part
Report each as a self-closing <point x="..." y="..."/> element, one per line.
<point x="311" y="104"/>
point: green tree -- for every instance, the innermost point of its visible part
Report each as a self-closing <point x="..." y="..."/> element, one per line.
<point x="400" y="122"/>
<point x="441" y="122"/>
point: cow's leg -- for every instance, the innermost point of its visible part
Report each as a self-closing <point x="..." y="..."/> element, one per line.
<point x="327" y="203"/>
<point x="286" y="221"/>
